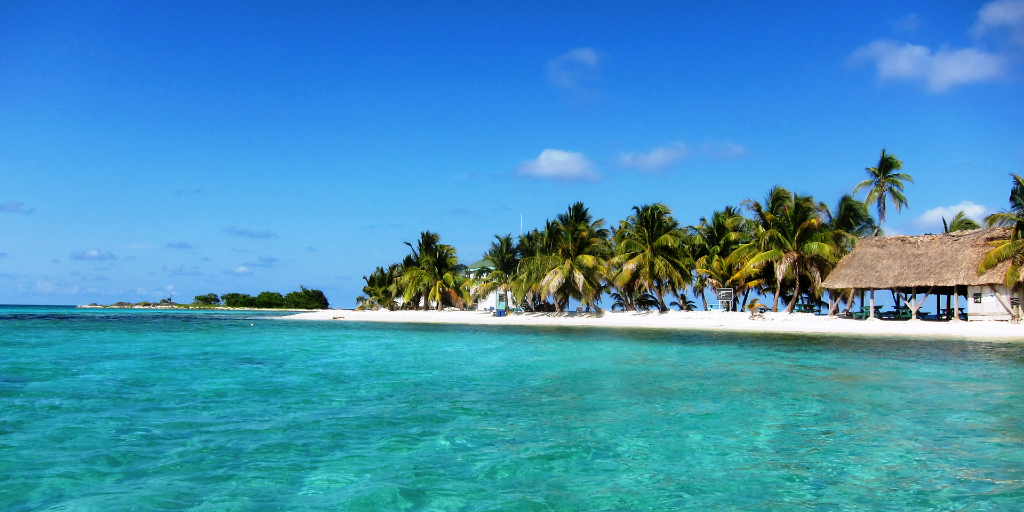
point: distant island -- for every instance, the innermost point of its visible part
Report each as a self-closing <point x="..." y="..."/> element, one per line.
<point x="303" y="298"/>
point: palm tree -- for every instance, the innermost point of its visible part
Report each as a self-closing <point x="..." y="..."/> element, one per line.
<point x="884" y="184"/>
<point x="753" y="307"/>
<point x="573" y="264"/>
<point x="379" y="291"/>
<point x="437" y="275"/>
<point x="1011" y="249"/>
<point x="713" y="239"/>
<point x="504" y="259"/>
<point x="639" y="301"/>
<point x="792" y="237"/>
<point x="650" y="253"/>
<point x="960" y="222"/>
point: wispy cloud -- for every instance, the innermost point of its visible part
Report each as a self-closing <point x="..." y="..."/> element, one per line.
<point x="657" y="158"/>
<point x="239" y="271"/>
<point x="663" y="157"/>
<point x="249" y="233"/>
<point x="16" y="207"/>
<point x="92" y="255"/>
<point x="555" y="163"/>
<point x="1000" y="15"/>
<point x="945" y="68"/>
<point x="933" y="217"/>
<point x="575" y="70"/>
<point x="3" y="254"/>
<point x="940" y="70"/>
<point x="178" y="245"/>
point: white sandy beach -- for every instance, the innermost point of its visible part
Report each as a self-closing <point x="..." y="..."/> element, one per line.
<point x="798" y="323"/>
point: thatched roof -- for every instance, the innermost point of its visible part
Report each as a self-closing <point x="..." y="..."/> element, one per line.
<point x="883" y="262"/>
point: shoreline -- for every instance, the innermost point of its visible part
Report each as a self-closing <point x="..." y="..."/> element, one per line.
<point x="775" y="323"/>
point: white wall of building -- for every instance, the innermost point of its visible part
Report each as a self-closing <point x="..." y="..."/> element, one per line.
<point x="984" y="304"/>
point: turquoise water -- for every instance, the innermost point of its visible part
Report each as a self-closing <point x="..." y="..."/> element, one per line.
<point x="141" y="410"/>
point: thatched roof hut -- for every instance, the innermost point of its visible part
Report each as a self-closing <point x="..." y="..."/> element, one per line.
<point x="903" y="262"/>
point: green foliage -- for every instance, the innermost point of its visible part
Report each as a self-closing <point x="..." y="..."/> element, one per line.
<point x="306" y="299"/>
<point x="237" y="300"/>
<point x="207" y="300"/>
<point x="1011" y="250"/>
<point x="960" y="222"/>
<point x="885" y="185"/>
<point x="301" y="299"/>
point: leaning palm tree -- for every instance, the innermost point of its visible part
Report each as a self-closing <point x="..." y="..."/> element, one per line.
<point x="650" y="253"/>
<point x="1011" y="249"/>
<point x="504" y="264"/>
<point x="960" y="222"/>
<point x="885" y="185"/>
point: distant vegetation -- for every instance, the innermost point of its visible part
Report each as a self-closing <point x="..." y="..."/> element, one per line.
<point x="301" y="299"/>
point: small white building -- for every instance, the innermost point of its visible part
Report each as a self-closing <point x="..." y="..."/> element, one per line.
<point x="494" y="300"/>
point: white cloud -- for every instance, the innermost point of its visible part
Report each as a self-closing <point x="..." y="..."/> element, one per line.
<point x="554" y="163"/>
<point x="934" y="216"/>
<point x="16" y="207"/>
<point x="1000" y="14"/>
<point x="940" y="70"/>
<point x="945" y="68"/>
<point x="575" y="68"/>
<point x="663" y="157"/>
<point x="92" y="255"/>
<point x="240" y="271"/>
<point x="657" y="158"/>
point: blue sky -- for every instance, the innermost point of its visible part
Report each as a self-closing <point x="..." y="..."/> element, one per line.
<point x="148" y="147"/>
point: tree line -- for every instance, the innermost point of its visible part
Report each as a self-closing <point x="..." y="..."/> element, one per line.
<point x="300" y="299"/>
<point x="782" y="245"/>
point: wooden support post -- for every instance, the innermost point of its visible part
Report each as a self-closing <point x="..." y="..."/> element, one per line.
<point x="956" y="303"/>
<point x="871" y="311"/>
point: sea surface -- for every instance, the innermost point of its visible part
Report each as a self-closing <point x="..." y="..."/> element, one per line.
<point x="173" y="410"/>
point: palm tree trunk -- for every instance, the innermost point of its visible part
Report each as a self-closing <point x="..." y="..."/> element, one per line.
<point x="796" y="292"/>
<point x="704" y="299"/>
<point x="778" y="291"/>
<point x="661" y="298"/>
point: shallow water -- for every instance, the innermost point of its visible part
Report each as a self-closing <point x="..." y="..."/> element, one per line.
<point x="147" y="410"/>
